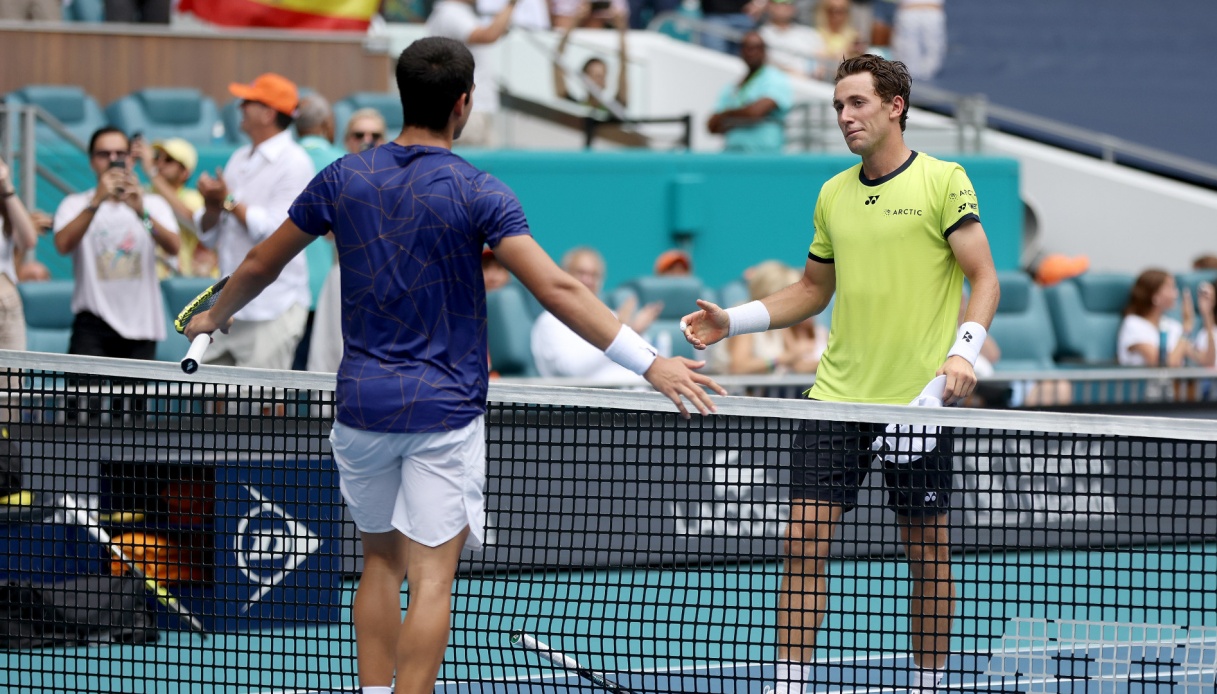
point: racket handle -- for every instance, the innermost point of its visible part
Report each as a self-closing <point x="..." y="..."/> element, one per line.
<point x="194" y="355"/>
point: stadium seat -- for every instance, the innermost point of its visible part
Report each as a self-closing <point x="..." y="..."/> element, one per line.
<point x="84" y="11"/>
<point x="733" y="293"/>
<point x="1022" y="326"/>
<point x="1086" y="313"/>
<point x="388" y="103"/>
<point x="48" y="315"/>
<point x="163" y="112"/>
<point x="70" y="105"/>
<point x="177" y="292"/>
<point x="509" y="332"/>
<point x="1191" y="281"/>
<point x="679" y="294"/>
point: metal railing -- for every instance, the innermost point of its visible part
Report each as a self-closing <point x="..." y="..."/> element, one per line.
<point x="19" y="146"/>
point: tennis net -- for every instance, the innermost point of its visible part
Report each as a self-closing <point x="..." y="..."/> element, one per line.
<point x="625" y="547"/>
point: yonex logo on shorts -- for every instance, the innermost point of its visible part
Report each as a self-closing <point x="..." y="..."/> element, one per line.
<point x="931" y="497"/>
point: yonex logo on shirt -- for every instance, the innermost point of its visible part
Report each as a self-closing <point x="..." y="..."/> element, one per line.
<point x="871" y="199"/>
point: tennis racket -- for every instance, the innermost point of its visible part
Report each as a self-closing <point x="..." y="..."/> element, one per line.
<point x="200" y="303"/>
<point x="86" y="519"/>
<point x="530" y="643"/>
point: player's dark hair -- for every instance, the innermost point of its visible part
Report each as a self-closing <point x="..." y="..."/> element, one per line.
<point x="432" y="73"/>
<point x="891" y="78"/>
<point x="105" y="130"/>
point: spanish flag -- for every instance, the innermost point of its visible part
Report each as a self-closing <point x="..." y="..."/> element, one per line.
<point x="331" y="15"/>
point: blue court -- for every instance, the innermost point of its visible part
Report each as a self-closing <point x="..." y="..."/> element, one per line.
<point x="1134" y="620"/>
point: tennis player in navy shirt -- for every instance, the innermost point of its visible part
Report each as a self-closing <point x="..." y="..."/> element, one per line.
<point x="410" y="219"/>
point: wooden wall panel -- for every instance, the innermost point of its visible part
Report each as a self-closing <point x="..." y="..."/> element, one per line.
<point x="110" y="62"/>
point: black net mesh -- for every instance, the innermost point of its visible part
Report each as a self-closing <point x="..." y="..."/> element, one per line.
<point x="625" y="547"/>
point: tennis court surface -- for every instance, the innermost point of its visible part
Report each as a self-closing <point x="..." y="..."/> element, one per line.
<point x="627" y="544"/>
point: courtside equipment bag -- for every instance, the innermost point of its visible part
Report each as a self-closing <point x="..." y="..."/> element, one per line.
<point x="83" y="610"/>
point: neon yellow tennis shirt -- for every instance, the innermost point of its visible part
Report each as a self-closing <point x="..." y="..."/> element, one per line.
<point x="898" y="283"/>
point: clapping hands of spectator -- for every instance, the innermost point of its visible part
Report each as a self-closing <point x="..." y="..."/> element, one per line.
<point x="213" y="189"/>
<point x="638" y="318"/>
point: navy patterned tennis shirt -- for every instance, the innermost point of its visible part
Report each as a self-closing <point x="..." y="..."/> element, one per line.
<point x="409" y="224"/>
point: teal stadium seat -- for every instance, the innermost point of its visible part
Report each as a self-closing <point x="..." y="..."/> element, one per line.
<point x="389" y="105"/>
<point x="679" y="296"/>
<point x="163" y="112"/>
<point x="70" y="105"/>
<point x="1086" y="313"/>
<point x="509" y="332"/>
<point x="177" y="292"/>
<point x="1022" y="326"/>
<point x="48" y="315"/>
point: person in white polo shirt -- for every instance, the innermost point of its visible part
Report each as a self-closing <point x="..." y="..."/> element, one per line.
<point x="243" y="205"/>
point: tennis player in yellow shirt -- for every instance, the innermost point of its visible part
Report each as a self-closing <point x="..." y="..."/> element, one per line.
<point x="895" y="236"/>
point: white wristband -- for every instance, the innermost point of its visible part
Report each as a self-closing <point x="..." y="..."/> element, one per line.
<point x="631" y="351"/>
<point x="968" y="341"/>
<point x="752" y="317"/>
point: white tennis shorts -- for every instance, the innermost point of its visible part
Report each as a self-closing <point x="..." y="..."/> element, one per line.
<point x="427" y="486"/>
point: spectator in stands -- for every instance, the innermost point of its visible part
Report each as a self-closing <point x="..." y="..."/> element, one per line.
<point x="457" y="19"/>
<point x="560" y="353"/>
<point x="594" y="73"/>
<point x="919" y="37"/>
<point x="751" y="114"/>
<point x="40" y="10"/>
<point x="1149" y="337"/>
<point x="796" y="349"/>
<point x="1208" y="261"/>
<point x="837" y="35"/>
<point x="169" y="164"/>
<point x="145" y="11"/>
<point x="585" y="14"/>
<point x="793" y="47"/>
<point x="244" y="204"/>
<point x="528" y="14"/>
<point x="728" y="19"/>
<point x="29" y="268"/>
<point x="112" y="233"/>
<point x="674" y="262"/>
<point x="1206" y="339"/>
<point x="17" y="232"/>
<point x="315" y="127"/>
<point x="365" y="130"/>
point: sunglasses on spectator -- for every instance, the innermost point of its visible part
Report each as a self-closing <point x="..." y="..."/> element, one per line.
<point x="110" y="153"/>
<point x="364" y="136"/>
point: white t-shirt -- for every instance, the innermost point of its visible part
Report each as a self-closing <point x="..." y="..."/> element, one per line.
<point x="560" y="353"/>
<point x="115" y="264"/>
<point x="6" y="253"/>
<point x="1202" y="343"/>
<point x="794" y="48"/>
<point x="528" y="14"/>
<point x="1135" y="330"/>
<point x="456" y="19"/>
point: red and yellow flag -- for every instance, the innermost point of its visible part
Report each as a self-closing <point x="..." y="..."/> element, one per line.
<point x="334" y="15"/>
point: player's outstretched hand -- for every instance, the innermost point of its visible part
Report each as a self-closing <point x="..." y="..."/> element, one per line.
<point x="705" y="327"/>
<point x="203" y="323"/>
<point x="961" y="379"/>
<point x="676" y="377"/>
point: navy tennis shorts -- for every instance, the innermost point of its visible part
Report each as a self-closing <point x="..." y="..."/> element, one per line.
<point x="831" y="460"/>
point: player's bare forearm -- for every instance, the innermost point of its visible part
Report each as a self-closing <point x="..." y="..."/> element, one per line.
<point x="803" y="299"/>
<point x="261" y="266"/>
<point x="560" y="294"/>
<point x="971" y="249"/>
